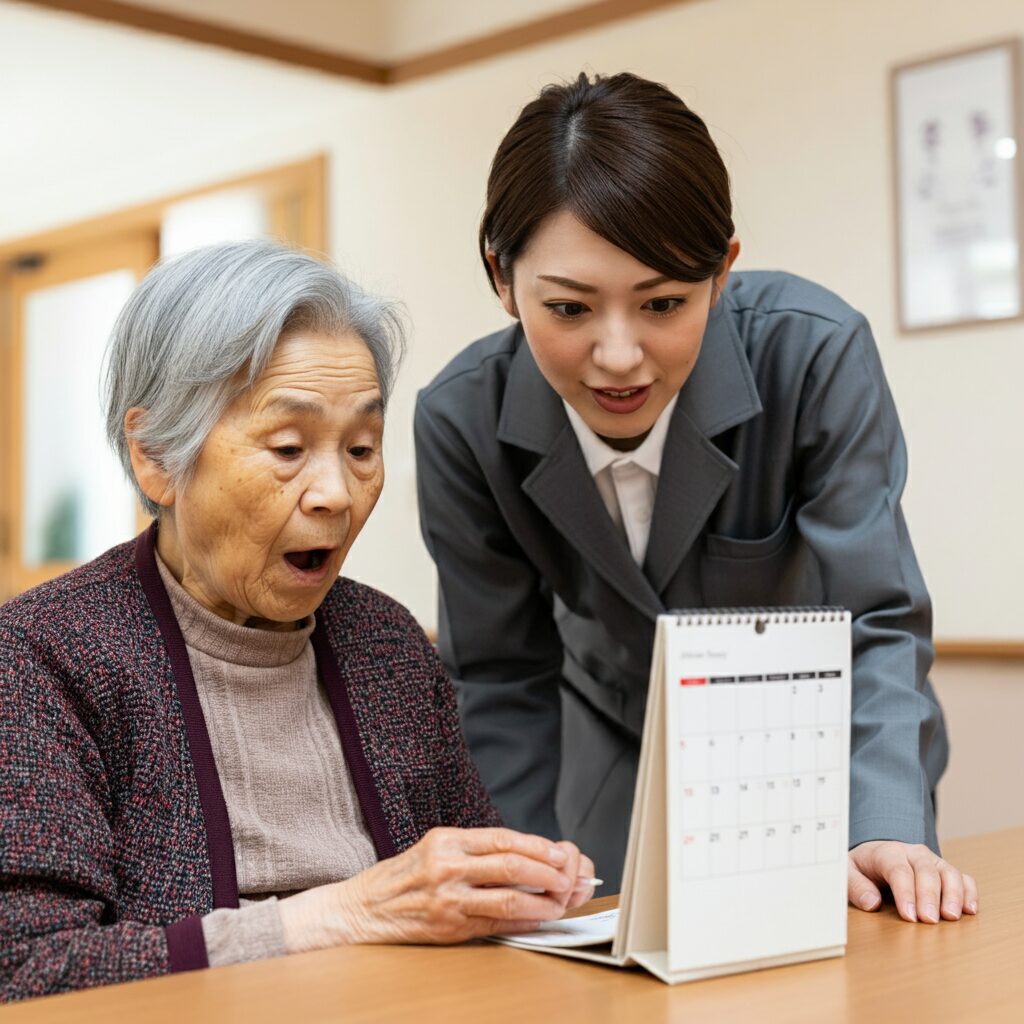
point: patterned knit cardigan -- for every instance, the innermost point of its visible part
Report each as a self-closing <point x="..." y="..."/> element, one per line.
<point x="114" y="836"/>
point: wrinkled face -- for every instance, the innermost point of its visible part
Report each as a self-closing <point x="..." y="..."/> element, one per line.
<point x="284" y="484"/>
<point x="615" y="339"/>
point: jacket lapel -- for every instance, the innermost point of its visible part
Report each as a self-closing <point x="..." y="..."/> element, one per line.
<point x="719" y="394"/>
<point x="560" y="485"/>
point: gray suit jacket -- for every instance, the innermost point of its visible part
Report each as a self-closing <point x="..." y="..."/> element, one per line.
<point x="780" y="484"/>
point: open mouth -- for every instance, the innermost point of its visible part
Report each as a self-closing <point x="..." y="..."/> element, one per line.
<point x="621" y="400"/>
<point x="308" y="561"/>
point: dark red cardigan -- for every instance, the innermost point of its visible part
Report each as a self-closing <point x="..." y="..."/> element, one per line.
<point x="114" y="837"/>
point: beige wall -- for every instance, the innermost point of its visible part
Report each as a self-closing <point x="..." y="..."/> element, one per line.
<point x="796" y="94"/>
<point x="96" y="118"/>
<point x="983" y="788"/>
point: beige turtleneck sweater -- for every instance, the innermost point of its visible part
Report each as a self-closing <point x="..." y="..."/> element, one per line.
<point x="295" y="818"/>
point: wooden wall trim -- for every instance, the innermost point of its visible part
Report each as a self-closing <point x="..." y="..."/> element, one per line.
<point x="197" y="30"/>
<point x="310" y="174"/>
<point x="495" y="44"/>
<point x="519" y="37"/>
<point x="1001" y="649"/>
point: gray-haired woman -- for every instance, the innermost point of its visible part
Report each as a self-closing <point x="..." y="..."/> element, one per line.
<point x="211" y="747"/>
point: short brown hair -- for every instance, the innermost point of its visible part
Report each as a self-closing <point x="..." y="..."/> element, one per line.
<point x="629" y="159"/>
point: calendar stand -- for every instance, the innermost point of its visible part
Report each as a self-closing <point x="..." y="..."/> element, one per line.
<point x="738" y="836"/>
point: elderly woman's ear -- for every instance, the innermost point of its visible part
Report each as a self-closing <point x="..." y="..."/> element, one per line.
<point x="153" y="479"/>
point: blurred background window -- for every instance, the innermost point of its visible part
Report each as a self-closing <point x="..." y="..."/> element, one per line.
<point x="64" y="499"/>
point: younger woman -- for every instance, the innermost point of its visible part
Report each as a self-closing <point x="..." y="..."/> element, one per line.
<point x="653" y="433"/>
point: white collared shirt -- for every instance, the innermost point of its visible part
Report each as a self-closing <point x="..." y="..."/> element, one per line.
<point x="626" y="481"/>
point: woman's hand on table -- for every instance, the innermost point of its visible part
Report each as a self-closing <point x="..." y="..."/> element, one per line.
<point x="453" y="885"/>
<point x="924" y="886"/>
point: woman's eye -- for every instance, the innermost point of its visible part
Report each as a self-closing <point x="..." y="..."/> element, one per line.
<point x="360" y="452"/>
<point x="289" y="451"/>
<point x="566" y="310"/>
<point x="663" y="307"/>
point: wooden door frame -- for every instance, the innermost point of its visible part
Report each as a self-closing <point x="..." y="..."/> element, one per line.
<point x="135" y="252"/>
<point x="70" y="246"/>
<point x="308" y="177"/>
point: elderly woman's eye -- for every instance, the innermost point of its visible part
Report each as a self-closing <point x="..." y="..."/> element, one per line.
<point x="360" y="451"/>
<point x="289" y="451"/>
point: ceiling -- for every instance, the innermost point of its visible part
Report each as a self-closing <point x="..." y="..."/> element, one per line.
<point x="381" y="41"/>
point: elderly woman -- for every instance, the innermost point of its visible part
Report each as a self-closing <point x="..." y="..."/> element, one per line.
<point x="213" y="749"/>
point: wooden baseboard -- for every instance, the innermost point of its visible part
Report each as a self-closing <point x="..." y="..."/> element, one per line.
<point x="1004" y="650"/>
<point x="1001" y="649"/>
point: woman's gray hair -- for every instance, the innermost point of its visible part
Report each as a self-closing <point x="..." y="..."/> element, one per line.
<point x="202" y="327"/>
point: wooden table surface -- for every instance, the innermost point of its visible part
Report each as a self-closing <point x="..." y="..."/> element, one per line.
<point x="969" y="970"/>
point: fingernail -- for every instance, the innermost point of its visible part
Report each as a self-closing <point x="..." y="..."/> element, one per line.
<point x="868" y="901"/>
<point x="557" y="855"/>
<point x="973" y="906"/>
<point x="930" y="913"/>
<point x="910" y="911"/>
<point x="953" y="911"/>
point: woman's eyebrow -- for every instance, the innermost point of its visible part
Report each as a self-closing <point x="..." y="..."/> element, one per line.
<point x="372" y="407"/>
<point x="652" y="282"/>
<point x="304" y="407"/>
<point x="295" y="406"/>
<point x="568" y="282"/>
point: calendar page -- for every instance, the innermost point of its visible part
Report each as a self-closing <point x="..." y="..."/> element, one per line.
<point x="757" y="731"/>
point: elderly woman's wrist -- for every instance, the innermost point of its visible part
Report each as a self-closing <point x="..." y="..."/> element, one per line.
<point x="321" y="918"/>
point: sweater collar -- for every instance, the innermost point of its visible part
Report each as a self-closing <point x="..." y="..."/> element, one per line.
<point x="207" y="632"/>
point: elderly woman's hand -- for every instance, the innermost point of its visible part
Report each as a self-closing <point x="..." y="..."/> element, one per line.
<point x="453" y="885"/>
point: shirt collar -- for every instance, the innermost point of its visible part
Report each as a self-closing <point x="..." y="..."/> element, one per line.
<point x="599" y="456"/>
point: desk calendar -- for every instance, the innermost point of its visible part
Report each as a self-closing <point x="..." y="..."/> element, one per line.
<point x="738" y="837"/>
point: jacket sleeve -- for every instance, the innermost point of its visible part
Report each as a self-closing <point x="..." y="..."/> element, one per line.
<point x="497" y="633"/>
<point x="852" y="466"/>
<point x="59" y="928"/>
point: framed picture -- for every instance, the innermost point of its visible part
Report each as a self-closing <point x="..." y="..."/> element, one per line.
<point x="957" y="144"/>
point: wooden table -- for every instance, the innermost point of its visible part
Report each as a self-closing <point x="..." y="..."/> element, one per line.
<point x="970" y="970"/>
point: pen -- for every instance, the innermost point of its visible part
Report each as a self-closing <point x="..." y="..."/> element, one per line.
<point x="581" y="883"/>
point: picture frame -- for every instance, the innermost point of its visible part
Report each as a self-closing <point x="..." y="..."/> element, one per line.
<point x="957" y="149"/>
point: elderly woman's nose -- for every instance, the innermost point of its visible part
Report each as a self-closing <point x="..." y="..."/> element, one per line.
<point x="618" y="350"/>
<point x="328" y="489"/>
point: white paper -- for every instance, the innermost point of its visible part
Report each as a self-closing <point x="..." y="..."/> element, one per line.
<point x="590" y="930"/>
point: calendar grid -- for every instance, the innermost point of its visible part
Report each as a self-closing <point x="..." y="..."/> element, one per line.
<point x="760" y="771"/>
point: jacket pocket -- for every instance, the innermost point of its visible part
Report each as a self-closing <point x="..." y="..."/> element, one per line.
<point x="720" y="546"/>
<point x="771" y="570"/>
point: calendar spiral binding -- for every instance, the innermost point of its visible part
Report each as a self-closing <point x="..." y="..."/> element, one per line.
<point x="754" y="615"/>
